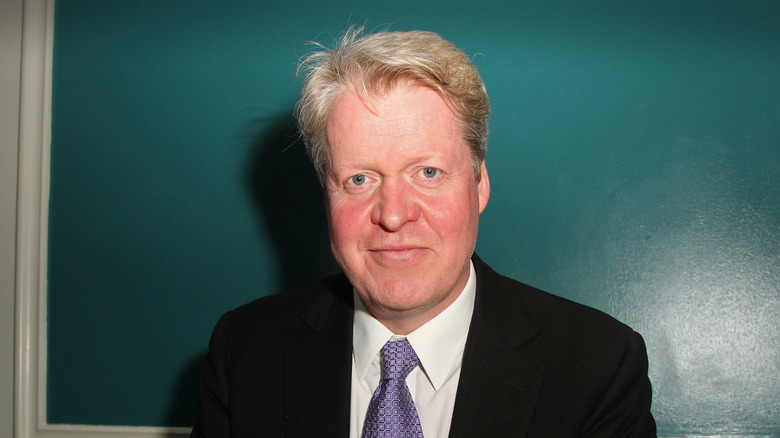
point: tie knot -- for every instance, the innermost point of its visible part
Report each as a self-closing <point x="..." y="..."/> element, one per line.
<point x="398" y="359"/>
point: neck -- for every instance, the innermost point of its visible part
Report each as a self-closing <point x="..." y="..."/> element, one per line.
<point x="404" y="322"/>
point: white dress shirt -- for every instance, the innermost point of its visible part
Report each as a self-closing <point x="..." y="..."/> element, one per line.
<point x="438" y="343"/>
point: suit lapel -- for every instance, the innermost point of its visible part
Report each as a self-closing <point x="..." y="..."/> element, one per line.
<point x="498" y="383"/>
<point x="318" y="368"/>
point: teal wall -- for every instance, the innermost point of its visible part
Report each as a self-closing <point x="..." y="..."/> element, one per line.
<point x="634" y="158"/>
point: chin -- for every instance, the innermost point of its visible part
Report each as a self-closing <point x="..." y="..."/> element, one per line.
<point x="406" y="298"/>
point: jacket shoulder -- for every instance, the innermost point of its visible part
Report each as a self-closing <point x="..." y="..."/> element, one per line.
<point x="548" y="313"/>
<point x="290" y="311"/>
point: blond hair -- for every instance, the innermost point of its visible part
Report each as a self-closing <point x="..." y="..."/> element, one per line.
<point x="375" y="63"/>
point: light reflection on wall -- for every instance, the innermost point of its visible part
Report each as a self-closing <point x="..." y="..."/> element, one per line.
<point x="709" y="276"/>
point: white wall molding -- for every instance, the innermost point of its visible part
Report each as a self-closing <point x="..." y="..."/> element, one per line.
<point x="89" y="431"/>
<point x="34" y="131"/>
<point x="10" y="76"/>
<point x="31" y="242"/>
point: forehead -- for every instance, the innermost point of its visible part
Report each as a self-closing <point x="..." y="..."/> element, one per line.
<point x="404" y="112"/>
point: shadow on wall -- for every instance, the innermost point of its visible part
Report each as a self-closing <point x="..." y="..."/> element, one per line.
<point x="183" y="410"/>
<point x="289" y="200"/>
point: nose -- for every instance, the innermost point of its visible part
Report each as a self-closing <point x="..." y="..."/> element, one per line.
<point x="395" y="205"/>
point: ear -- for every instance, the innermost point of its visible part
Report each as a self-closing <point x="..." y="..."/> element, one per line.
<point x="483" y="187"/>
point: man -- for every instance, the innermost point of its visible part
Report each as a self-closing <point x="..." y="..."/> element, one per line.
<point x="396" y="126"/>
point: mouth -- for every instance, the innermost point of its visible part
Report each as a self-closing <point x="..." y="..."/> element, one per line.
<point x="398" y="253"/>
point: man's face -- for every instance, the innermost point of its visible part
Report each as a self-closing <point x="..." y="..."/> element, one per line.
<point x="403" y="203"/>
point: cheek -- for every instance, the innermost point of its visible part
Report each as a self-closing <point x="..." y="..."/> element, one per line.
<point x="450" y="216"/>
<point x="347" y="220"/>
<point x="457" y="225"/>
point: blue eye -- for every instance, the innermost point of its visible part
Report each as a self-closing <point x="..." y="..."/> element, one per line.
<point x="430" y="172"/>
<point x="358" y="179"/>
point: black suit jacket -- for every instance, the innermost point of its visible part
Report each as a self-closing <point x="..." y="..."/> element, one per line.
<point x="535" y="365"/>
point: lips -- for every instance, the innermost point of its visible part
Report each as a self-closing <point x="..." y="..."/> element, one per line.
<point x="398" y="253"/>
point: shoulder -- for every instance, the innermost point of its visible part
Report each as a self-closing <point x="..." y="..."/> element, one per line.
<point x="281" y="315"/>
<point x="552" y="317"/>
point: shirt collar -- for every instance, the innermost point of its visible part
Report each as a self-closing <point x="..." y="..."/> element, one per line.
<point x="438" y="343"/>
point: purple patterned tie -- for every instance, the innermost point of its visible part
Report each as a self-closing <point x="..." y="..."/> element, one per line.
<point x="391" y="413"/>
